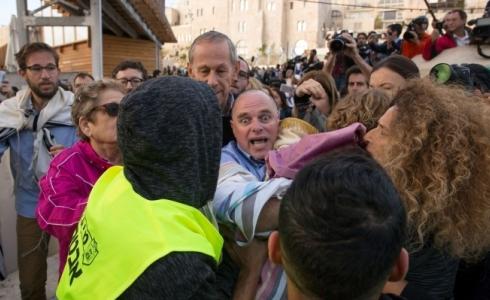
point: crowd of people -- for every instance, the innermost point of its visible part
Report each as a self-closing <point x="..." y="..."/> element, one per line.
<point x="351" y="178"/>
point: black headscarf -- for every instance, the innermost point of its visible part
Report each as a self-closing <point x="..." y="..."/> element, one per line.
<point x="169" y="133"/>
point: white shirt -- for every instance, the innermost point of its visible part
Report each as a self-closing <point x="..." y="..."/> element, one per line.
<point x="462" y="41"/>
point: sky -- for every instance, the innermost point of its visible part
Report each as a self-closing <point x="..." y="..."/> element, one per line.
<point x="8" y="8"/>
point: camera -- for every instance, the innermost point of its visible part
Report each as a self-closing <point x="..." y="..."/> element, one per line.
<point x="410" y="33"/>
<point x="469" y="76"/>
<point x="338" y="44"/>
<point x="481" y="31"/>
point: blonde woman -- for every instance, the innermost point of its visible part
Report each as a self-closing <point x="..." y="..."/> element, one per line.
<point x="365" y="107"/>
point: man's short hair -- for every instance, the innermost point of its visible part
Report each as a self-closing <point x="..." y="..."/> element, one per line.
<point x="82" y="75"/>
<point x="254" y="91"/>
<point x="362" y="33"/>
<point x="461" y="13"/>
<point x="341" y="225"/>
<point x="395" y="27"/>
<point x="214" y="37"/>
<point x="130" y="64"/>
<point x="28" y="49"/>
<point x="353" y="70"/>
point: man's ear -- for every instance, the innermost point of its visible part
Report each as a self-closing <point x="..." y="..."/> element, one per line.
<point x="274" y="248"/>
<point x="400" y="267"/>
<point x="22" y="73"/>
<point x="189" y="69"/>
<point x="236" y="70"/>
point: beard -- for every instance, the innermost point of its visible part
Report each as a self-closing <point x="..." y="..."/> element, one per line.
<point x="43" y="94"/>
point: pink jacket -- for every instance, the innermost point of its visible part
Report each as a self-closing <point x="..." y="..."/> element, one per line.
<point x="286" y="162"/>
<point x="64" y="192"/>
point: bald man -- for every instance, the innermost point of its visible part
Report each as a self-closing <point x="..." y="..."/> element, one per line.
<point x="245" y="201"/>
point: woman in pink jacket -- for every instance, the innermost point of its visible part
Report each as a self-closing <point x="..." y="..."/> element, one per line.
<point x="73" y="172"/>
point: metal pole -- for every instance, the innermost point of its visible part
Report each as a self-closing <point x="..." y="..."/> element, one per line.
<point x="158" y="47"/>
<point x="96" y="38"/>
<point x="22" y="29"/>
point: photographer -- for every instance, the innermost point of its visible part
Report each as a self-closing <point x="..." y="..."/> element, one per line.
<point x="457" y="34"/>
<point x="362" y="45"/>
<point x="314" y="98"/>
<point x="373" y="57"/>
<point x="393" y="41"/>
<point x="415" y="37"/>
<point x="343" y="54"/>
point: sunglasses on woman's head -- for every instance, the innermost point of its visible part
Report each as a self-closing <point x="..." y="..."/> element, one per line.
<point x="111" y="108"/>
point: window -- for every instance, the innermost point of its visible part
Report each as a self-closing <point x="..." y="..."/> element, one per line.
<point x="242" y="26"/>
<point x="291" y="5"/>
<point x="301" y="26"/>
<point x="271" y="5"/>
<point x="241" y="49"/>
<point x="243" y="5"/>
<point x="389" y="15"/>
<point x="336" y="14"/>
<point x="212" y="10"/>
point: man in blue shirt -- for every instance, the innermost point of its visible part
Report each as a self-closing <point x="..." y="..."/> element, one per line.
<point x="245" y="201"/>
<point x="35" y="125"/>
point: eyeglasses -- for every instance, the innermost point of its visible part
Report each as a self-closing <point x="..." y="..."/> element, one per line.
<point x="112" y="108"/>
<point x="37" y="69"/>
<point x="243" y="75"/>
<point x="134" y="81"/>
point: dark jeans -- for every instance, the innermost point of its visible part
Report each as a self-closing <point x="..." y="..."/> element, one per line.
<point x="32" y="252"/>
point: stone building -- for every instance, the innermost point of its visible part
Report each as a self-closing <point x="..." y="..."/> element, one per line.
<point x="270" y="31"/>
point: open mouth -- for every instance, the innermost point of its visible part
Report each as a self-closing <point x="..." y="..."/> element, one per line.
<point x="260" y="141"/>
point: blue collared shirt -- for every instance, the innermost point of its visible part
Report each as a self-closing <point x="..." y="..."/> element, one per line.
<point x="233" y="153"/>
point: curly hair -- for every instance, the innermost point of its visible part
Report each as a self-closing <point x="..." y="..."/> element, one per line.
<point x="86" y="100"/>
<point x="366" y="107"/>
<point x="439" y="159"/>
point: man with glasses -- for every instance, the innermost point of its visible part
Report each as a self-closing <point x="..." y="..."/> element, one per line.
<point x="35" y="125"/>
<point x="130" y="74"/>
<point x="240" y="84"/>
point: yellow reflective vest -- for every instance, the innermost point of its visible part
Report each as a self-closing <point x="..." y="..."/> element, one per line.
<point x="121" y="234"/>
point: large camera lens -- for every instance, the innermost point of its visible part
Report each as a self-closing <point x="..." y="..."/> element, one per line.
<point x="441" y="73"/>
<point x="337" y="45"/>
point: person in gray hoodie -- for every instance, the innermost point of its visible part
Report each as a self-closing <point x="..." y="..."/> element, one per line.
<point x="156" y="243"/>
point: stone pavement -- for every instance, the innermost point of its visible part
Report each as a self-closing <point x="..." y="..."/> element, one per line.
<point x="9" y="288"/>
